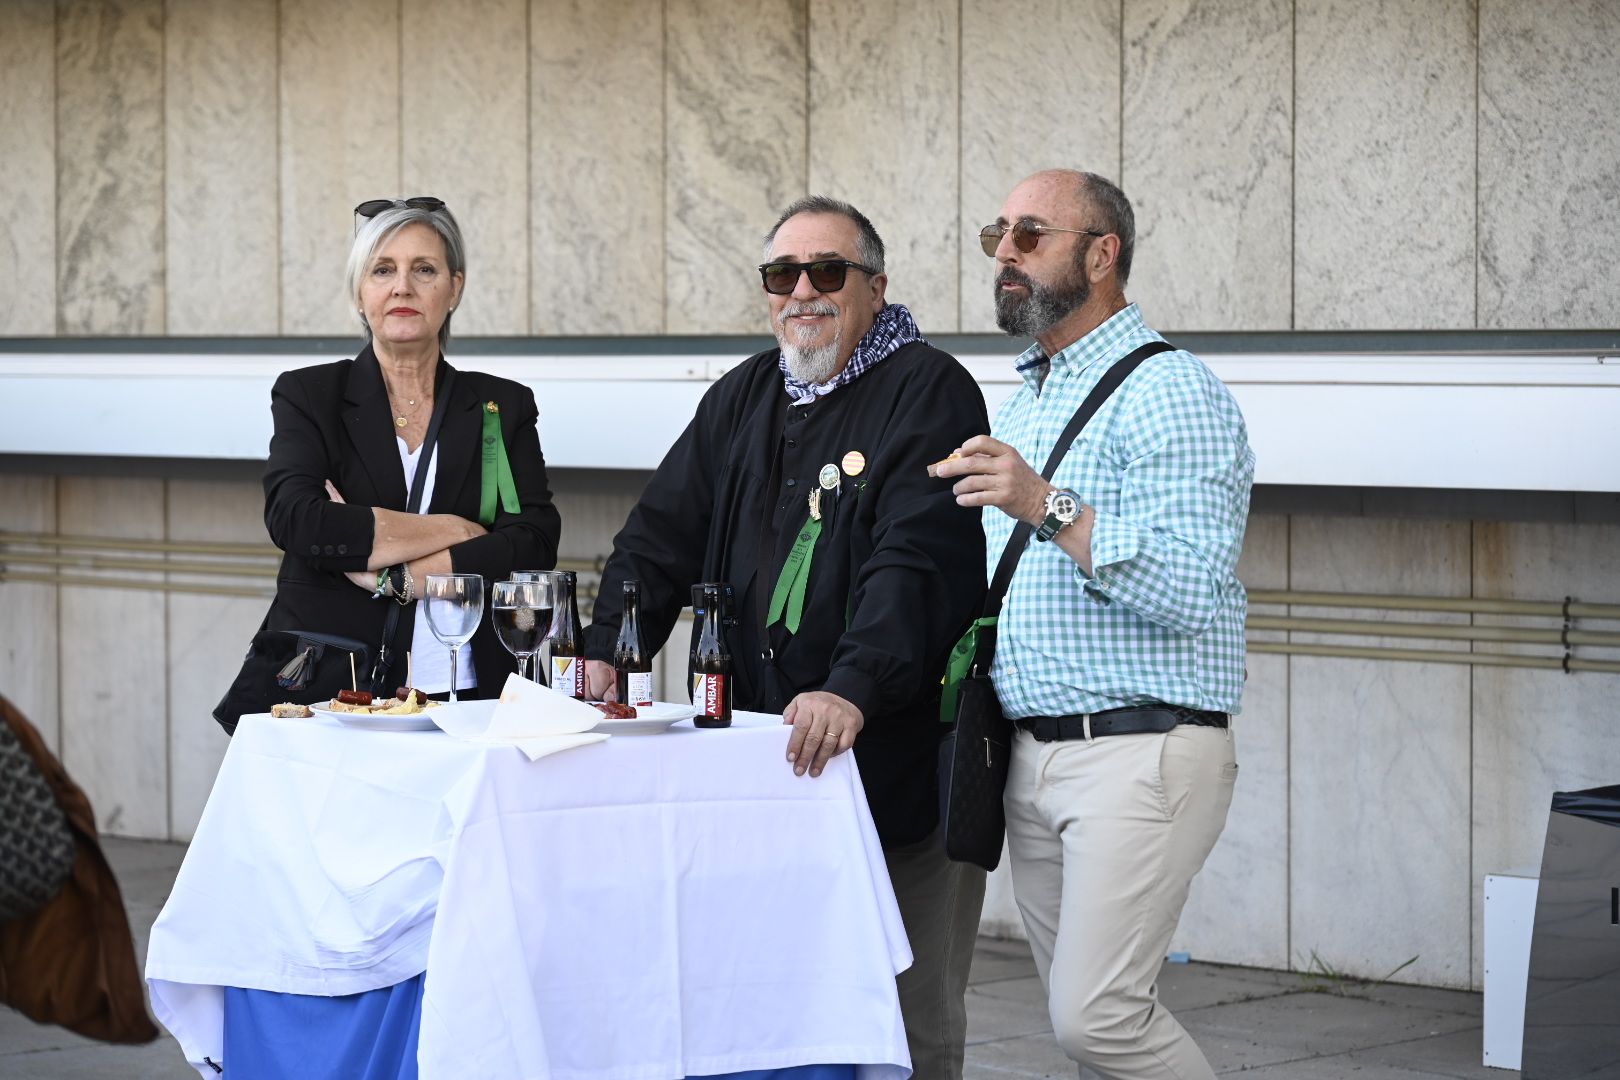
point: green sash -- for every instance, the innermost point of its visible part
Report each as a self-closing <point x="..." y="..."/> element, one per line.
<point x="497" y="470"/>
<point x="788" y="597"/>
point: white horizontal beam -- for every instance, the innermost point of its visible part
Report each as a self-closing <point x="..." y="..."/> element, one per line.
<point x="1502" y="422"/>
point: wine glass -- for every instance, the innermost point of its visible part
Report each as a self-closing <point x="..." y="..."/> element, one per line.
<point x="521" y="612"/>
<point x="455" y="606"/>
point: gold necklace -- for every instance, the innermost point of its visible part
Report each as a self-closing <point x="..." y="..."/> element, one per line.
<point x="400" y="419"/>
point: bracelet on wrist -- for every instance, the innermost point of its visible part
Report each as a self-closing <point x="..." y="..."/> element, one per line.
<point x="406" y="590"/>
<point x="384" y="585"/>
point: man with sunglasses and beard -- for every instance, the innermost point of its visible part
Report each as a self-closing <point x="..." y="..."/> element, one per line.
<point x="802" y="481"/>
<point x="1119" y="651"/>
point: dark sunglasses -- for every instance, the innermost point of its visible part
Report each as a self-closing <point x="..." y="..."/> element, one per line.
<point x="372" y="207"/>
<point x="826" y="275"/>
<point x="1025" y="235"/>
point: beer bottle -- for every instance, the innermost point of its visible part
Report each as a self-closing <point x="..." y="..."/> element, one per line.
<point x="692" y="646"/>
<point x="632" y="663"/>
<point x="712" y="696"/>
<point x="567" y="660"/>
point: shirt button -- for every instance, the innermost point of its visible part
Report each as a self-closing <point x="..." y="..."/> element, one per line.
<point x="329" y="549"/>
<point x="792" y="444"/>
<point x="314" y="549"/>
<point x="792" y="482"/>
<point x="343" y="549"/>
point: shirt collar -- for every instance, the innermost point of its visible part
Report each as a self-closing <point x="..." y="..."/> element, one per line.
<point x="1102" y="343"/>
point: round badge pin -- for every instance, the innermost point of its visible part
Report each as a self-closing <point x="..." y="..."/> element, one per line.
<point x="854" y="463"/>
<point x="829" y="476"/>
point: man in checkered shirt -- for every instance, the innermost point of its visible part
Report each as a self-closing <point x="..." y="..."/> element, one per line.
<point x="1120" y="646"/>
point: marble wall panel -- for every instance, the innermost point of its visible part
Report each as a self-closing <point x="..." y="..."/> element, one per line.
<point x="28" y="168"/>
<point x="884" y="116"/>
<point x="1379" y="773"/>
<point x="594" y="506"/>
<point x="465" y="108"/>
<point x="340" y="145"/>
<point x="1237" y="910"/>
<point x="735" y="153"/>
<point x="1384" y="149"/>
<point x="207" y="636"/>
<point x="114" y="639"/>
<point x="1070" y="49"/>
<point x="1549" y="164"/>
<point x="109" y="153"/>
<point x="596" y="168"/>
<point x="1264" y="562"/>
<point x="29" y="646"/>
<point x="219" y="88"/>
<point x="1537" y="732"/>
<point x="1206" y="161"/>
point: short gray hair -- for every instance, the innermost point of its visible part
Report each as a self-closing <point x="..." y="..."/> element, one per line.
<point x="1114" y="215"/>
<point x="377" y="230"/>
<point x="868" y="244"/>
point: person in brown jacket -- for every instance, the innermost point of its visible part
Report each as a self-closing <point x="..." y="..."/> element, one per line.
<point x="71" y="961"/>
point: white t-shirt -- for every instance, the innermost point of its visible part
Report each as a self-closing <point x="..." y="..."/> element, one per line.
<point x="430" y="661"/>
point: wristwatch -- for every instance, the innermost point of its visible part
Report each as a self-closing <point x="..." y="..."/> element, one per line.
<point x="1062" y="507"/>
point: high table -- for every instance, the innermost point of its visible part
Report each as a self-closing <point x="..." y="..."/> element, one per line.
<point x="646" y="908"/>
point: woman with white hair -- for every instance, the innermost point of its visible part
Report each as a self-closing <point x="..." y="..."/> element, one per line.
<point x="347" y="451"/>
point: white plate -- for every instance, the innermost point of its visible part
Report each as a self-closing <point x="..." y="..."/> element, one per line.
<point x="649" y="720"/>
<point x="422" y="721"/>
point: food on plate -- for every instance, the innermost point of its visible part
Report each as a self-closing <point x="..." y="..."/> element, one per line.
<point x="289" y="711"/>
<point x="614" y="711"/>
<point x="354" y="697"/>
<point x="412" y="703"/>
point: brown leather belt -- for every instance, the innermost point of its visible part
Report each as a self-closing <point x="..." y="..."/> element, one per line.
<point x="1136" y="720"/>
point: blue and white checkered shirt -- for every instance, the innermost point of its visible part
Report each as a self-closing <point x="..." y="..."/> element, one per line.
<point x="1166" y="465"/>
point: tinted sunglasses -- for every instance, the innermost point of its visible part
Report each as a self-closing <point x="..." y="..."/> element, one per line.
<point x="1025" y="235"/>
<point x="372" y="207"/>
<point x="826" y="275"/>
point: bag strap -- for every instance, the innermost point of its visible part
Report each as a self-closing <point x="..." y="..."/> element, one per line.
<point x="413" y="504"/>
<point x="1088" y="408"/>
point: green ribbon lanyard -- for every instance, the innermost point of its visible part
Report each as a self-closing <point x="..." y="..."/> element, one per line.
<point x="497" y="470"/>
<point x="959" y="665"/>
<point x="788" y="595"/>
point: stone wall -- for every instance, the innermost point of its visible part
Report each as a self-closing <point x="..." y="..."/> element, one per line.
<point x="190" y="167"/>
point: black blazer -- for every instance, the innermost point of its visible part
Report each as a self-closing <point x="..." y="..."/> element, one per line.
<point x="333" y="422"/>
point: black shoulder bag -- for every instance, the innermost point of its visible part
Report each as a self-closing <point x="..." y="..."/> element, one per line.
<point x="973" y="758"/>
<point x="307" y="665"/>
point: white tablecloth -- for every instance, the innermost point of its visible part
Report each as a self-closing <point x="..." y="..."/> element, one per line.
<point x="646" y="908"/>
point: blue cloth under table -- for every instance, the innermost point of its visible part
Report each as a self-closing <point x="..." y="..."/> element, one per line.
<point x="370" y="1036"/>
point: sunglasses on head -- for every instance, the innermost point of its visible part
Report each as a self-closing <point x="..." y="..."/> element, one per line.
<point x="1025" y="235"/>
<point x="826" y="275"/>
<point x="372" y="207"/>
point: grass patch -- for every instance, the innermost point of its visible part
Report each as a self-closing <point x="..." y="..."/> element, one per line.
<point x="1323" y="978"/>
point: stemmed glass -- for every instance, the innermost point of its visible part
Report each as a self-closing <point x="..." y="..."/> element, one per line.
<point x="521" y="612"/>
<point x="455" y="606"/>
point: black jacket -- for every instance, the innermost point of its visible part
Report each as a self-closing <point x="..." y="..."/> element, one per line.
<point x="332" y="422"/>
<point x="897" y="574"/>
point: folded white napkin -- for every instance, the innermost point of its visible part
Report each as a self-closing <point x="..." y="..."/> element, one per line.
<point x="535" y="719"/>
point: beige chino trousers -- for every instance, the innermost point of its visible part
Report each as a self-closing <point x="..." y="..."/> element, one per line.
<point x="1105" y="838"/>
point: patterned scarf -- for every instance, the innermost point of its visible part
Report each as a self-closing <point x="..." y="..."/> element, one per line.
<point x="892" y="328"/>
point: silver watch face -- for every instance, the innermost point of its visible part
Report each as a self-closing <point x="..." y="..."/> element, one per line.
<point x="1065" y="507"/>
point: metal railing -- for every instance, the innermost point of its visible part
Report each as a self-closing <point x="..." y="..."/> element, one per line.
<point x="249" y="570"/>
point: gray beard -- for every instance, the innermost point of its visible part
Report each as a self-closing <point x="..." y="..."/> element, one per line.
<point x="1042" y="309"/>
<point x="811" y="366"/>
